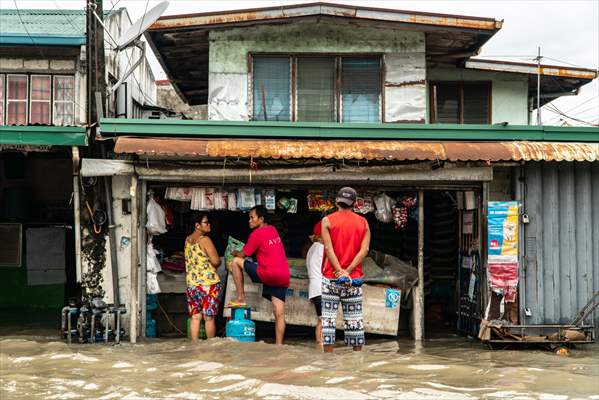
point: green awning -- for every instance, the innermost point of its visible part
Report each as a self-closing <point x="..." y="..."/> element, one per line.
<point x="356" y="131"/>
<point x="43" y="135"/>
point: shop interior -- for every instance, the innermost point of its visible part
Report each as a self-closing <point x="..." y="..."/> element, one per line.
<point x="451" y="253"/>
<point x="37" y="256"/>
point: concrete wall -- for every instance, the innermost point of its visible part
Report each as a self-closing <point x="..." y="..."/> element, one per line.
<point x="120" y="191"/>
<point x="501" y="187"/>
<point x="509" y="99"/>
<point x="230" y="79"/>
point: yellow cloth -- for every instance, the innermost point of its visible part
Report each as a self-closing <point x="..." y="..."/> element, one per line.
<point x="198" y="268"/>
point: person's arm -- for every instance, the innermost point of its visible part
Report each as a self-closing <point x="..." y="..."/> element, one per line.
<point x="364" y="247"/>
<point x="328" y="246"/>
<point x="208" y="247"/>
<point x="249" y="248"/>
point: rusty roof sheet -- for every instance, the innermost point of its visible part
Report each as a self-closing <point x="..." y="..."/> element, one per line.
<point x="389" y="150"/>
<point x="320" y="8"/>
<point x="529" y="68"/>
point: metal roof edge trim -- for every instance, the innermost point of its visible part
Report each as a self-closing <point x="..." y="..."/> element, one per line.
<point x="43" y="135"/>
<point x="306" y="130"/>
<point x="43" y="40"/>
<point x="330" y="9"/>
<point x="524" y="68"/>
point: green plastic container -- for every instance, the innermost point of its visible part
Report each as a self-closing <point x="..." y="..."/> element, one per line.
<point x="202" y="334"/>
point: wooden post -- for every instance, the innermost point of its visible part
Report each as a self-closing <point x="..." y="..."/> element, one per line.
<point x="419" y="292"/>
<point x="133" y="301"/>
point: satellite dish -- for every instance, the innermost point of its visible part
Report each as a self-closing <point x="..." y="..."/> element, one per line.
<point x="132" y="35"/>
<point x="141" y="25"/>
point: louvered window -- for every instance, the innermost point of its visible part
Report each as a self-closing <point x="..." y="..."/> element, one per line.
<point x="461" y="102"/>
<point x="360" y="89"/>
<point x="316" y="88"/>
<point x="272" y="89"/>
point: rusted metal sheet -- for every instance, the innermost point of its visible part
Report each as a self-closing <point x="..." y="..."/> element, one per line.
<point x="361" y="149"/>
<point x="324" y="9"/>
<point x="527" y="68"/>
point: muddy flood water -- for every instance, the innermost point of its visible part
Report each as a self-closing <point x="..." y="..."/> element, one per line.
<point x="41" y="367"/>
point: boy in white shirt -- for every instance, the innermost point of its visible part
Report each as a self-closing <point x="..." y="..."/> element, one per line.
<point x="314" y="265"/>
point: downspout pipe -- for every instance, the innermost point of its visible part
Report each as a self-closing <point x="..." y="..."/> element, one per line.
<point x="111" y="236"/>
<point x="76" y="211"/>
<point x="134" y="274"/>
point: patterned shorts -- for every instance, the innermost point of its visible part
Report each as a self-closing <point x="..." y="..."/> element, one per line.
<point x="351" y="304"/>
<point x="203" y="299"/>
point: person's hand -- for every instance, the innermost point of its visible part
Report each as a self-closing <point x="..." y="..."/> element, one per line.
<point x="237" y="253"/>
<point x="341" y="272"/>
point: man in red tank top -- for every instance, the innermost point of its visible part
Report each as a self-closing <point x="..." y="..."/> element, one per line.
<point x="346" y="237"/>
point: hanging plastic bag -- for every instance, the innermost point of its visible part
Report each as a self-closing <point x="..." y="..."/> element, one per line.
<point x="152" y="283"/>
<point x="383" y="205"/>
<point x="156" y="224"/>
<point x="152" y="263"/>
<point x="232" y="246"/>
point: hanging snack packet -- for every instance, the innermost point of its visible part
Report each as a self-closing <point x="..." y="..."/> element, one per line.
<point x="292" y="207"/>
<point x="246" y="198"/>
<point x="232" y="201"/>
<point x="208" y="199"/>
<point x="269" y="199"/>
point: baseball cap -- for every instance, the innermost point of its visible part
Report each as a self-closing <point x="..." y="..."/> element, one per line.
<point x="346" y="195"/>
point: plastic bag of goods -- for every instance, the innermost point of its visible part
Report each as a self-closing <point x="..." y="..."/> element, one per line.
<point x="319" y="202"/>
<point x="152" y="263"/>
<point x="400" y="216"/>
<point x="232" y="246"/>
<point x="178" y="193"/>
<point x="383" y="205"/>
<point x="156" y="220"/>
<point x="152" y="283"/>
<point x="292" y="208"/>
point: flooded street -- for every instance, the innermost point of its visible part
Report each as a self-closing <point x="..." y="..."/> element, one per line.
<point x="39" y="367"/>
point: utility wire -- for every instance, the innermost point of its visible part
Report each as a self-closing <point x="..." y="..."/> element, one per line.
<point x="27" y="30"/>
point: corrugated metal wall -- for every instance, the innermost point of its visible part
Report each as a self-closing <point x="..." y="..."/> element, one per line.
<point x="561" y="248"/>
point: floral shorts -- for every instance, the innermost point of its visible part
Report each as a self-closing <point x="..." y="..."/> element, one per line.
<point x="203" y="299"/>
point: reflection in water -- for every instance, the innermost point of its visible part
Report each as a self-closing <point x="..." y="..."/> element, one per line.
<point x="41" y="368"/>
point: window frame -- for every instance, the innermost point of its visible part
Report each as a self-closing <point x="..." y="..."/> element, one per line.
<point x="26" y="101"/>
<point x="293" y="81"/>
<point x="3" y="98"/>
<point x="54" y="101"/>
<point x="433" y="99"/>
<point x="49" y="101"/>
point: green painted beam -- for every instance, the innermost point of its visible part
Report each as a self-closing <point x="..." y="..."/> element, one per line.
<point x="314" y="130"/>
<point x="43" y="135"/>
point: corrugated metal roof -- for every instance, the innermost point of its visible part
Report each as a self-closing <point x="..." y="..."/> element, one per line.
<point x="390" y="150"/>
<point x="43" y="27"/>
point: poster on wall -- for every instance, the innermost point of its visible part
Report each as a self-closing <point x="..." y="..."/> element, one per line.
<point x="503" y="231"/>
<point x="503" y="247"/>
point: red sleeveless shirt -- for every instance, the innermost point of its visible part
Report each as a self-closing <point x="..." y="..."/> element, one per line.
<point x="347" y="232"/>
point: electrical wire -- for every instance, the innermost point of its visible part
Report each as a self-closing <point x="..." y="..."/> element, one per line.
<point x="563" y="62"/>
<point x="27" y="30"/>
<point x="168" y="319"/>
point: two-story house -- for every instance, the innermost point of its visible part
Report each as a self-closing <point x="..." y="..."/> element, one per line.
<point x="307" y="98"/>
<point x="43" y="127"/>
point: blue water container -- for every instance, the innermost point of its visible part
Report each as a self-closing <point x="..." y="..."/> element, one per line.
<point x="240" y="327"/>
